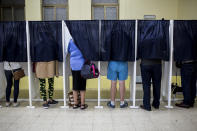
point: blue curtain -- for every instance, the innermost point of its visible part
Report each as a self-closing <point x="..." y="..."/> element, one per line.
<point x="185" y="40"/>
<point x="1" y="41"/>
<point x="153" y="39"/>
<point x="85" y="34"/>
<point x="118" y="40"/>
<point x="13" y="41"/>
<point x="46" y="41"/>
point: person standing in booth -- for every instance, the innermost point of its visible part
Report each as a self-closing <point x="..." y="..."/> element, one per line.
<point x="47" y="70"/>
<point x="9" y="68"/>
<point x="117" y="70"/>
<point x="153" y="47"/>
<point x="79" y="83"/>
<point x="151" y="69"/>
<point x="188" y="81"/>
<point x="185" y="56"/>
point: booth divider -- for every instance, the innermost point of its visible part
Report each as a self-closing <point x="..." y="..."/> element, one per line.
<point x="171" y="30"/>
<point x="134" y="71"/>
<point x="29" y="66"/>
<point x="99" y="68"/>
<point x="65" y="33"/>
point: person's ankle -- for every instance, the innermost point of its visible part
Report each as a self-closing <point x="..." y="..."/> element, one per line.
<point x="122" y="102"/>
<point x="112" y="103"/>
<point x="50" y="99"/>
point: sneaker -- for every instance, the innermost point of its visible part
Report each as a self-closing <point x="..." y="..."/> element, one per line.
<point x="50" y="102"/>
<point x="0" y="106"/>
<point x="16" y="104"/>
<point x="45" y="105"/>
<point x="124" y="105"/>
<point x="110" y="105"/>
<point x="7" y="104"/>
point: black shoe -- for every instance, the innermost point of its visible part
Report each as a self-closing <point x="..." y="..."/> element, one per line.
<point x="182" y="105"/>
<point x="45" y="105"/>
<point x="191" y="105"/>
<point x="110" y="105"/>
<point x="75" y="106"/>
<point x="142" y="106"/>
<point x="84" y="106"/>
<point x="124" y="105"/>
<point x="50" y="102"/>
<point x="156" y="107"/>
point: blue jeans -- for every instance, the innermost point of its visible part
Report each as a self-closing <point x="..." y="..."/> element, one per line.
<point x="188" y="81"/>
<point x="149" y="72"/>
<point x="9" y="78"/>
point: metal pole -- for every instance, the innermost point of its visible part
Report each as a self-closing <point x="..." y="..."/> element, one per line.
<point x="171" y="29"/>
<point x="29" y="66"/>
<point x="64" y="65"/>
<point x="99" y="65"/>
<point x="134" y="69"/>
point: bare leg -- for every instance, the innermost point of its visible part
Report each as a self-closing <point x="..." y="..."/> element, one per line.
<point x="82" y="93"/>
<point x="113" y="90"/>
<point x="122" y="90"/>
<point x="75" y="95"/>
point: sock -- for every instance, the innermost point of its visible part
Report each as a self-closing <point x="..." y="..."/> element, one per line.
<point x="121" y="102"/>
<point x="112" y="103"/>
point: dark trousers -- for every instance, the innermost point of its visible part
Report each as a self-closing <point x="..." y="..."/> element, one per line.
<point x="188" y="81"/>
<point x="9" y="78"/>
<point x="149" y="72"/>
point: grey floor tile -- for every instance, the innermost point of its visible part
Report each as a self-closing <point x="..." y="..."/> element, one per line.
<point x="57" y="119"/>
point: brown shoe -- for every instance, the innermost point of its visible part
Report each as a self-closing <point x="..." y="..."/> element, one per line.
<point x="182" y="105"/>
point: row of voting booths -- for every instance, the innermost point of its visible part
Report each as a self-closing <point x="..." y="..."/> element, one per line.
<point x="99" y="41"/>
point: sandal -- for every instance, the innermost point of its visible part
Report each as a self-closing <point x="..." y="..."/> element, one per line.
<point x="84" y="106"/>
<point x="75" y="106"/>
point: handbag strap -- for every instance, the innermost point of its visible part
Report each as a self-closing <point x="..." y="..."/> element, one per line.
<point x="11" y="68"/>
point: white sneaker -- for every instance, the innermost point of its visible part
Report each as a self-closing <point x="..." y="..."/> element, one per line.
<point x="7" y="104"/>
<point x="0" y="106"/>
<point x="16" y="104"/>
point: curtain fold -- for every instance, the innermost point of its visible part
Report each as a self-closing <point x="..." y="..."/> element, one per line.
<point x="46" y="41"/>
<point x="117" y="40"/>
<point x="185" y="40"/>
<point x="1" y="41"/>
<point x="13" y="41"/>
<point x="85" y="34"/>
<point x="153" y="39"/>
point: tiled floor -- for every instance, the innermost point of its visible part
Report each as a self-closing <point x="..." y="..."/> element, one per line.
<point x="57" y="119"/>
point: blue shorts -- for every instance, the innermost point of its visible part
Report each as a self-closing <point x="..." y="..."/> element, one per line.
<point x="117" y="70"/>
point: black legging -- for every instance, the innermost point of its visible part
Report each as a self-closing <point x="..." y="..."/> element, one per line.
<point x="43" y="88"/>
<point x="9" y="78"/>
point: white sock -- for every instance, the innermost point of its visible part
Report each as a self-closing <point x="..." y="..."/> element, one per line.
<point x="112" y="103"/>
<point x="121" y="102"/>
